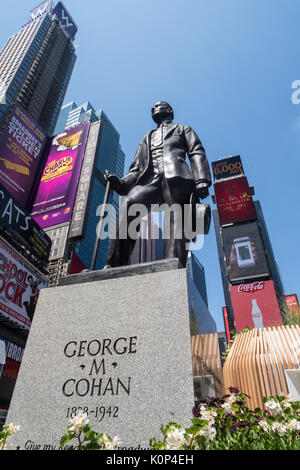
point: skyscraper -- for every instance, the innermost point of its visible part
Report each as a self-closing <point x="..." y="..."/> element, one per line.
<point x="71" y="115"/>
<point x="36" y="65"/>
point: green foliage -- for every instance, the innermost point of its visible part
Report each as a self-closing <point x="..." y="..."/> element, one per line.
<point x="6" y="434"/>
<point x="227" y="424"/>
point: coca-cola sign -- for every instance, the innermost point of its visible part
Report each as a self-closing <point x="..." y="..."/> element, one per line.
<point x="255" y="286"/>
<point x="255" y="305"/>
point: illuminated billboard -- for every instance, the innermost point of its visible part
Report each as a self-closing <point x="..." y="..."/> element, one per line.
<point x="20" y="284"/>
<point x="234" y="201"/>
<point x="56" y="193"/>
<point x="12" y="355"/>
<point x="292" y="303"/>
<point x="81" y="206"/>
<point x="22" y="228"/>
<point x="21" y="146"/>
<point x="244" y="252"/>
<point x="255" y="305"/>
<point x="227" y="167"/>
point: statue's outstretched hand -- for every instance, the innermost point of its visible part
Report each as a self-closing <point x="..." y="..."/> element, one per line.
<point x="202" y="190"/>
<point x="114" y="180"/>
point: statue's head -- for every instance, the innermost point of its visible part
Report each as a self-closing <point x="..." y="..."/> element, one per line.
<point x="161" y="111"/>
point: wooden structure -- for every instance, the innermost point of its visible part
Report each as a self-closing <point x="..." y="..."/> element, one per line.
<point x="257" y="360"/>
<point x="207" y="359"/>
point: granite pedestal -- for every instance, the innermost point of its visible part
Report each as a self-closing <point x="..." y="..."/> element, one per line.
<point x="114" y="343"/>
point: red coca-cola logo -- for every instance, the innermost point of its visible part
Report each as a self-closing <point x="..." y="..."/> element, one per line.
<point x="255" y="286"/>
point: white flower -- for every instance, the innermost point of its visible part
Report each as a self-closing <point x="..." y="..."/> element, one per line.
<point x="110" y="444"/>
<point x="293" y="425"/>
<point x="79" y="422"/>
<point x="228" y="409"/>
<point x="13" y="428"/>
<point x="232" y="398"/>
<point x="279" y="427"/>
<point x="264" y="425"/>
<point x="207" y="414"/>
<point x="273" y="407"/>
<point x="208" y="431"/>
<point x="175" y="438"/>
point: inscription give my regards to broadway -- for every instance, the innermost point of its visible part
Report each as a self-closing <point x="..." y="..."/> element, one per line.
<point x="99" y="359"/>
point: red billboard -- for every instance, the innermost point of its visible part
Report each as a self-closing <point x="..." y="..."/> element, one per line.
<point x="20" y="284"/>
<point x="11" y="356"/>
<point x="255" y="305"/>
<point x="234" y="201"/>
<point x="292" y="303"/>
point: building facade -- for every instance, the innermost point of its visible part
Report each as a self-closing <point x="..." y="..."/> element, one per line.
<point x="36" y="65"/>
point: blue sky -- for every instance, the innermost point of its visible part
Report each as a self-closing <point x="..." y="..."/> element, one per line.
<point x="226" y="67"/>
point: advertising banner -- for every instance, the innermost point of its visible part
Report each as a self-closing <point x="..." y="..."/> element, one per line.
<point x="80" y="212"/>
<point x="234" y="201"/>
<point x="21" y="226"/>
<point x="12" y="355"/>
<point x="226" y="323"/>
<point x="20" y="284"/>
<point x="244" y="252"/>
<point x="292" y="303"/>
<point x="227" y="167"/>
<point x="56" y="193"/>
<point x="21" y="146"/>
<point x="66" y="20"/>
<point x="255" y="305"/>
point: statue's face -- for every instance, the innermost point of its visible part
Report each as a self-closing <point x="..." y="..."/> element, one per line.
<point x="162" y="110"/>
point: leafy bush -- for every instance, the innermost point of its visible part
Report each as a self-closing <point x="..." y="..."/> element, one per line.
<point x="227" y="424"/>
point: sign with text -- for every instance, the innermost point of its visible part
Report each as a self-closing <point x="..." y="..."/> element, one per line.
<point x="20" y="285"/>
<point x="21" y="146"/>
<point x="255" y="305"/>
<point x="292" y="303"/>
<point x="244" y="252"/>
<point x="21" y="226"/>
<point x="96" y="357"/>
<point x="10" y="370"/>
<point x="234" y="201"/>
<point x="80" y="211"/>
<point x="55" y="197"/>
<point x="227" y="167"/>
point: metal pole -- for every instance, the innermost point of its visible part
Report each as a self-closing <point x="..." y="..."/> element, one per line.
<point x="100" y="226"/>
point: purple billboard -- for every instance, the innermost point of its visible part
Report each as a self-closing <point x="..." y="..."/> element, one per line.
<point x="55" y="197"/>
<point x="21" y="147"/>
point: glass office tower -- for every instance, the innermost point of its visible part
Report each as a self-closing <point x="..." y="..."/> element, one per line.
<point x="36" y="65"/>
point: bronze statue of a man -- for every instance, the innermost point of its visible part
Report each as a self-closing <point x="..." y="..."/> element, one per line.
<point x="159" y="174"/>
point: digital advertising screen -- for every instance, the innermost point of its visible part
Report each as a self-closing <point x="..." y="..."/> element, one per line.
<point x="21" y="146"/>
<point x="255" y="305"/>
<point x="21" y="226"/>
<point x="56" y="193"/>
<point x="292" y="303"/>
<point x="244" y="252"/>
<point x="227" y="167"/>
<point x="20" y="285"/>
<point x="234" y="201"/>
<point x="11" y="356"/>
